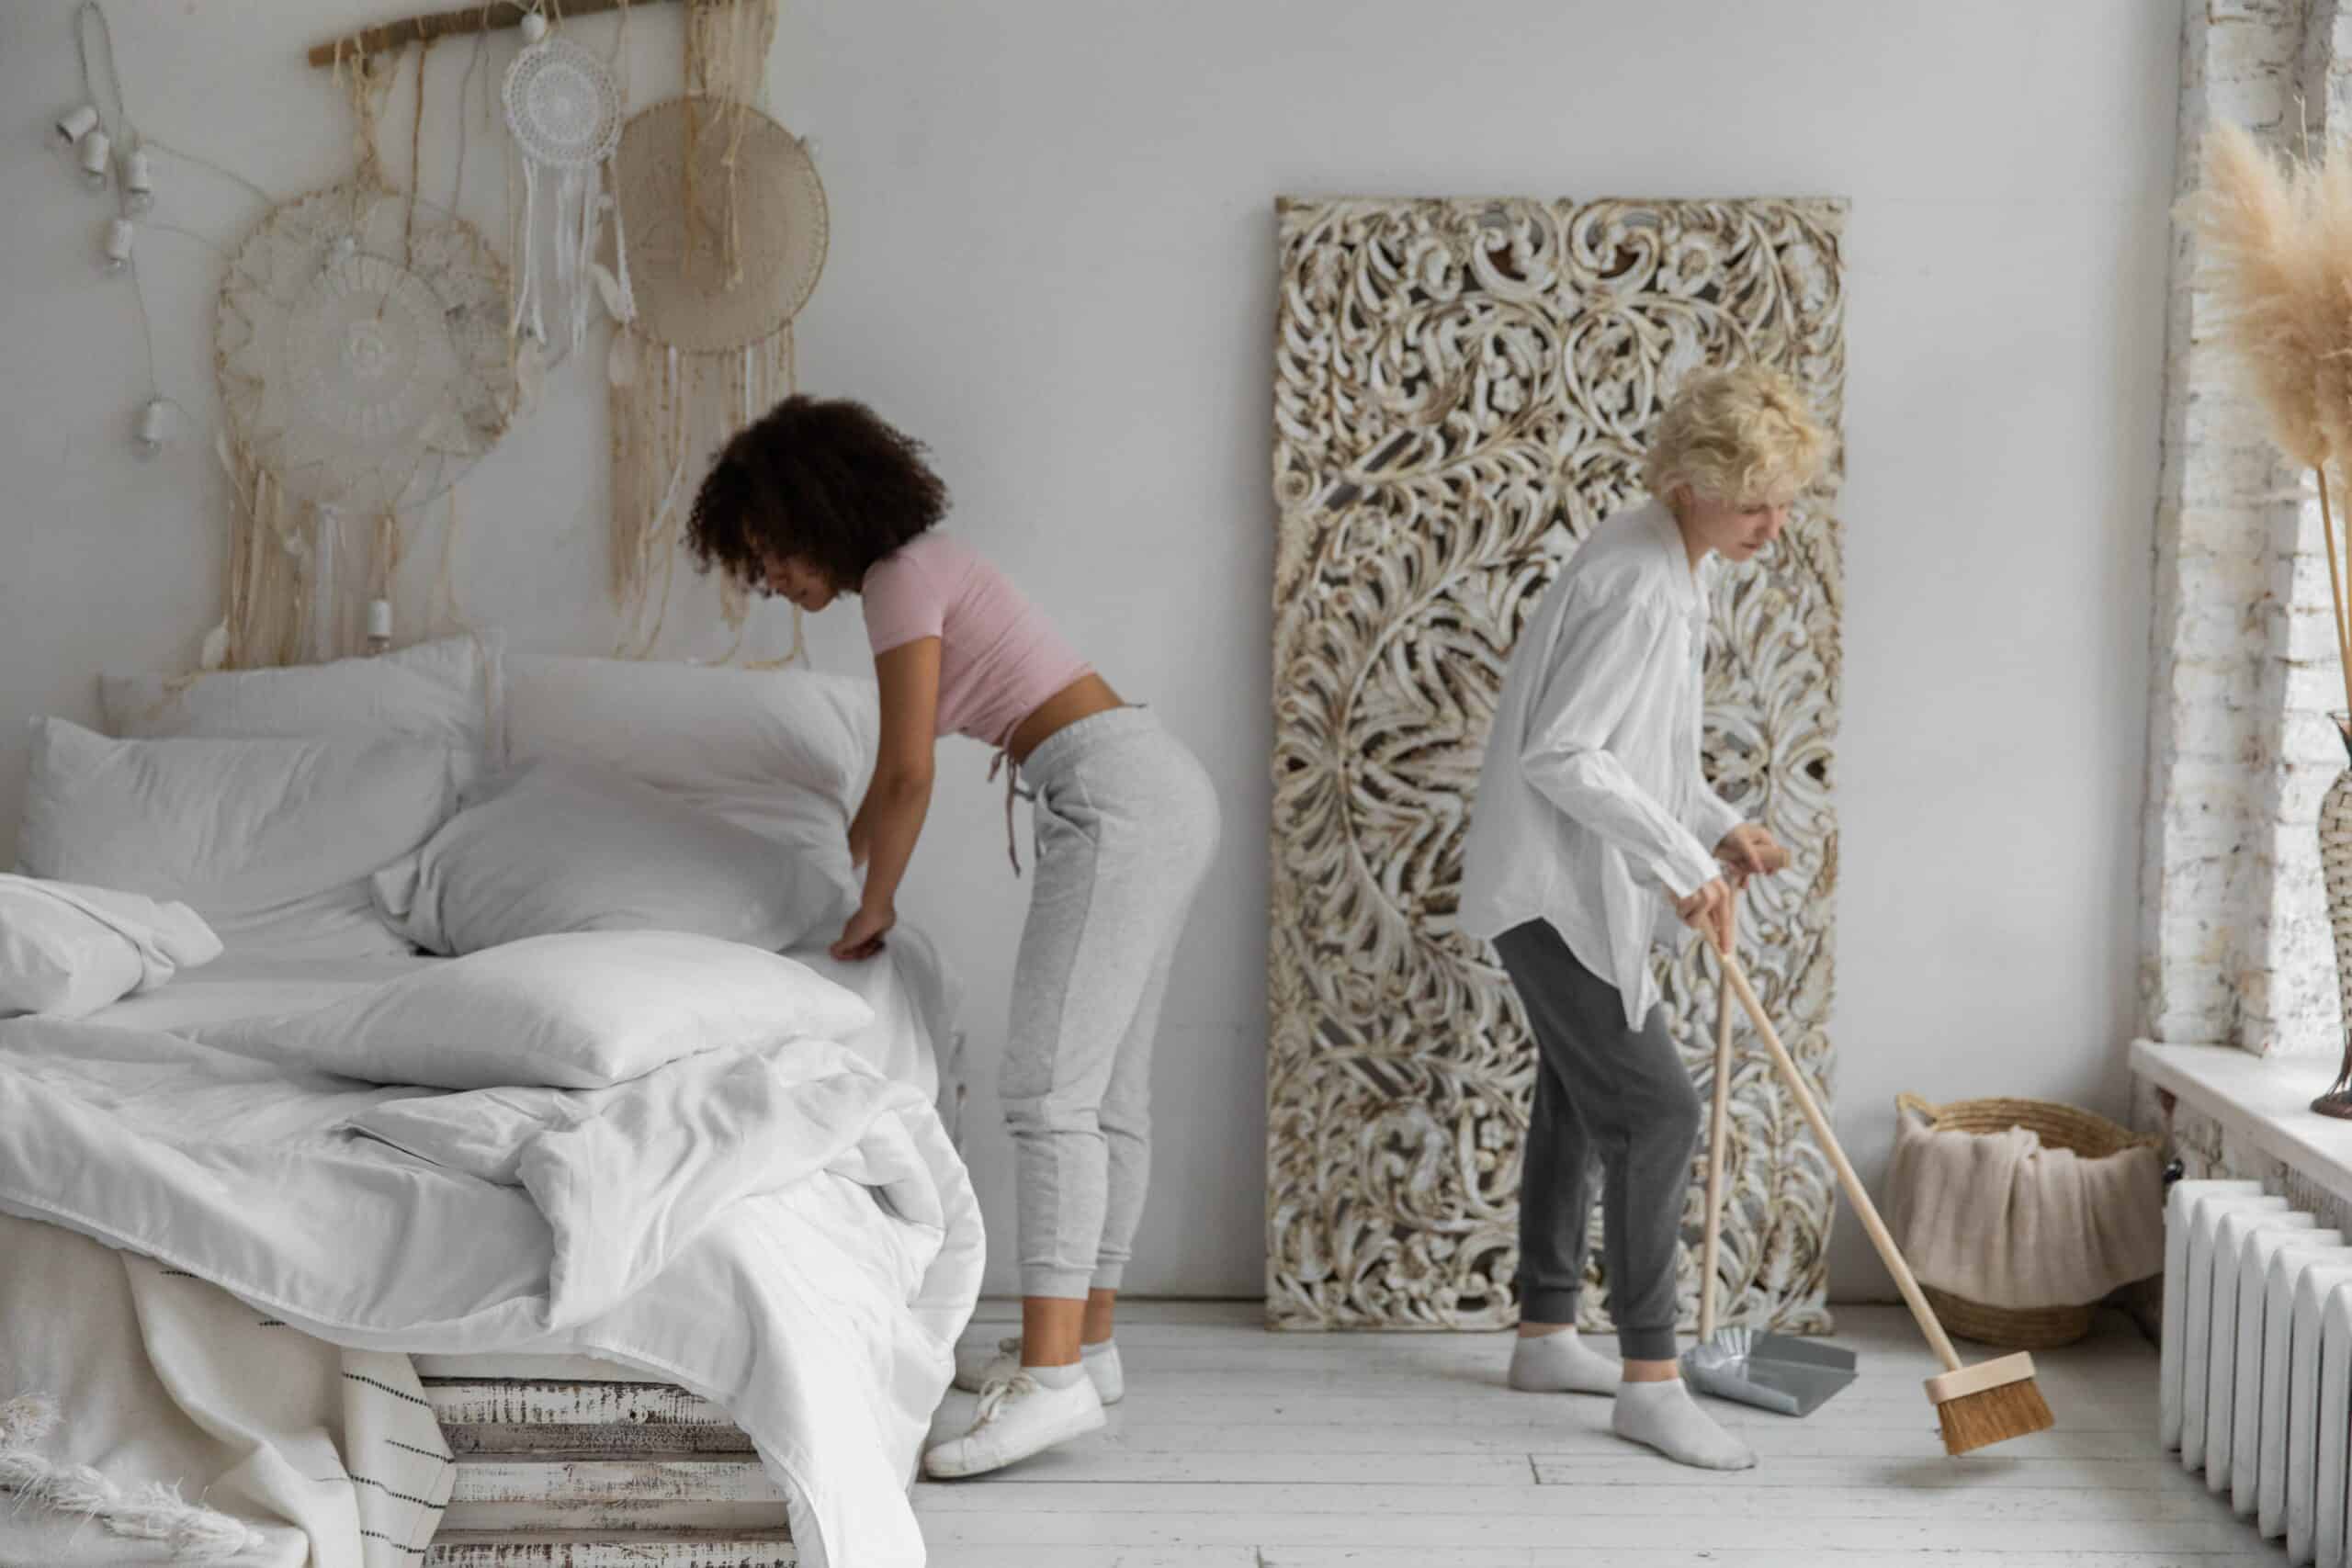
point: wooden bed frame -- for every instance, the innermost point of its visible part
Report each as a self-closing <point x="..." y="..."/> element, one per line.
<point x="589" y="1472"/>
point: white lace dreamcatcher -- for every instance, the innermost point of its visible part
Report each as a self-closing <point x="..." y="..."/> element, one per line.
<point x="564" y="107"/>
<point x="362" y="354"/>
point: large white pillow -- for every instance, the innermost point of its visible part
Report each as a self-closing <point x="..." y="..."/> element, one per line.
<point x="783" y="753"/>
<point x="554" y="847"/>
<point x="582" y="1010"/>
<point x="443" y="691"/>
<point x="271" y="841"/>
<point x="67" y="951"/>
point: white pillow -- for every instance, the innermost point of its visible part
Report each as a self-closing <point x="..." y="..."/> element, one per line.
<point x="67" y="951"/>
<point x="562" y="847"/>
<point x="271" y="841"/>
<point x="783" y="753"/>
<point x="441" y="690"/>
<point x="582" y="1010"/>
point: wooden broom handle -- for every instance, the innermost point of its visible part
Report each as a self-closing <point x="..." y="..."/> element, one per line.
<point x="1855" y="1195"/>
<point x="1715" y="1136"/>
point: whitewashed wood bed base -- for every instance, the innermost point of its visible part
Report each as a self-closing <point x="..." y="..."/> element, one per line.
<point x="575" y="1462"/>
<point x="571" y="1461"/>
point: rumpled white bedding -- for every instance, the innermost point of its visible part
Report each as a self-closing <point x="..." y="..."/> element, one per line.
<point x="67" y="950"/>
<point x="784" y="1229"/>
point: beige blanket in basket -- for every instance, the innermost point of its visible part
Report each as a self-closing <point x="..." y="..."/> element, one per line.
<point x="1998" y="1218"/>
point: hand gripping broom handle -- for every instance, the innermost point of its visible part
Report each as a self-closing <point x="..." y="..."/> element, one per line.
<point x="1715" y="1134"/>
<point x="1937" y="1340"/>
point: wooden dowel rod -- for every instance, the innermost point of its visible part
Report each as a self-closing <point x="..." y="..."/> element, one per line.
<point x="450" y="23"/>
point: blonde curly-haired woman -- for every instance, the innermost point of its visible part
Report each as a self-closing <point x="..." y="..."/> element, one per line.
<point x="1593" y="833"/>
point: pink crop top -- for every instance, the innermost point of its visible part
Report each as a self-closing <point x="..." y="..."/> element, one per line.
<point x="999" y="657"/>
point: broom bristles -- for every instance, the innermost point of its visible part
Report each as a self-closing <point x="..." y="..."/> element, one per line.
<point x="1994" y="1415"/>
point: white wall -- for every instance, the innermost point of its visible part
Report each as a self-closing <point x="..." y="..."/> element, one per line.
<point x="1052" y="257"/>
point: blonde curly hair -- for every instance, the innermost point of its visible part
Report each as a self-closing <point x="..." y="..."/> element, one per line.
<point x="1742" y="438"/>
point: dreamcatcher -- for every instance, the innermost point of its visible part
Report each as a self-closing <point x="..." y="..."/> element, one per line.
<point x="362" y="354"/>
<point x="728" y="226"/>
<point x="564" y="107"/>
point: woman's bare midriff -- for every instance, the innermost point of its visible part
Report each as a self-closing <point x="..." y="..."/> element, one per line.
<point x="1082" y="698"/>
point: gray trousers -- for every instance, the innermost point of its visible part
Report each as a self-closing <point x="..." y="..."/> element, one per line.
<point x="1608" y="1096"/>
<point x="1125" y="822"/>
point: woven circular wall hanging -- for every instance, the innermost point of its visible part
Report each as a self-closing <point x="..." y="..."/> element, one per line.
<point x="725" y="220"/>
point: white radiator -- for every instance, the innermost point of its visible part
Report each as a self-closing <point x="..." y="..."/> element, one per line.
<point x="2257" y="1362"/>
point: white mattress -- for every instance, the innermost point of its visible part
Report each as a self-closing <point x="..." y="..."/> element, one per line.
<point x="912" y="995"/>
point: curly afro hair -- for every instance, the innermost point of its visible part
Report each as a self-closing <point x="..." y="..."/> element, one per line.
<point x="825" y="479"/>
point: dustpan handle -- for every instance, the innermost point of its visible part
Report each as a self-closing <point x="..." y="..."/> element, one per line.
<point x="1716" y="1131"/>
<point x="1863" y="1207"/>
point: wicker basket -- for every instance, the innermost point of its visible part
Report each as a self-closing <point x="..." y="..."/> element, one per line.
<point x="2060" y="1127"/>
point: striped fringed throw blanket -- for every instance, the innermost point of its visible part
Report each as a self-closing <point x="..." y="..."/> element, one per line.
<point x="149" y="1417"/>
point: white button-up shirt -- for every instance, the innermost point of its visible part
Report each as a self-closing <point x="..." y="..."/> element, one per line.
<point x="1591" y="809"/>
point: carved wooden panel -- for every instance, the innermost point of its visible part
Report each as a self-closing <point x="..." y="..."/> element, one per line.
<point x="1462" y="390"/>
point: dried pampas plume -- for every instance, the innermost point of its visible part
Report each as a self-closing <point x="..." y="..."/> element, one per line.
<point x="2275" y="238"/>
<point x="2259" y="251"/>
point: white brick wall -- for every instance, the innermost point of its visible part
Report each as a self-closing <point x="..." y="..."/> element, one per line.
<point x="2234" y="929"/>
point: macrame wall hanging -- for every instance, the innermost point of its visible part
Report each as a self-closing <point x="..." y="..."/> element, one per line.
<point x="369" y="347"/>
<point x="364" y="363"/>
<point x="727" y="226"/>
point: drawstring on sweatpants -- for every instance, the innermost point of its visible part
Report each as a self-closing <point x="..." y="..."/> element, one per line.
<point x="1011" y="788"/>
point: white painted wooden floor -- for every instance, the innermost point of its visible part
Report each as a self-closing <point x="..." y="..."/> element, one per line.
<point x="1237" y="1448"/>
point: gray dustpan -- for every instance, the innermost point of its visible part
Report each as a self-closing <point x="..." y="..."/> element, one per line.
<point x="1770" y="1371"/>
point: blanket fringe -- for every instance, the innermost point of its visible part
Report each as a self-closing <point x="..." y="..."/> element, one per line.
<point x="151" y="1512"/>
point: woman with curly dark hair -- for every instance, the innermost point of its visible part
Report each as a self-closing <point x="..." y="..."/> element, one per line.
<point x="821" y="498"/>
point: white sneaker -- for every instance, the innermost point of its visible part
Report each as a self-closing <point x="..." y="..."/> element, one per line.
<point x="1018" y="1416"/>
<point x="977" y="1367"/>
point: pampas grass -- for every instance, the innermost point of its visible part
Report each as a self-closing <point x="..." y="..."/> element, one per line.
<point x="2275" y="241"/>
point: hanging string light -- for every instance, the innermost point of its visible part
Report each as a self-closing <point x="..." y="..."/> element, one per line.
<point x="92" y="136"/>
<point x="74" y="124"/>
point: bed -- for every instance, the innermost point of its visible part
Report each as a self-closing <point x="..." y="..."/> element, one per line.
<point x="631" y="1429"/>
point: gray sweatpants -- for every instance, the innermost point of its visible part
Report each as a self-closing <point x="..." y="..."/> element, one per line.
<point x="1125" y="822"/>
<point x="1608" y="1095"/>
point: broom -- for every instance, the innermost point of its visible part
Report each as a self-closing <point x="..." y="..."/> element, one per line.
<point x="1979" y="1405"/>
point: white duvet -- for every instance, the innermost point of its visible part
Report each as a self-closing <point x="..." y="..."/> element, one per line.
<point x="781" y="1228"/>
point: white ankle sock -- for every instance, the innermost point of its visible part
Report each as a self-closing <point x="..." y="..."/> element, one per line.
<point x="1561" y="1363"/>
<point x="1057" y="1377"/>
<point x="1101" y="1350"/>
<point x="1663" y="1417"/>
